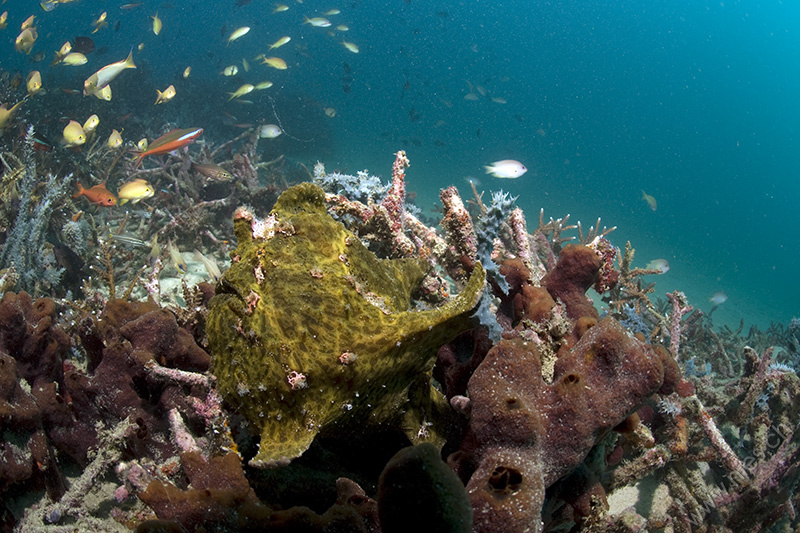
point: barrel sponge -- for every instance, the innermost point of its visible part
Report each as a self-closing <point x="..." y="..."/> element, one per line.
<point x="526" y="433"/>
<point x="417" y="491"/>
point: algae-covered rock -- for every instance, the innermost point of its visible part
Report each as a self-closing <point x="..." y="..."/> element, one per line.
<point x="309" y="329"/>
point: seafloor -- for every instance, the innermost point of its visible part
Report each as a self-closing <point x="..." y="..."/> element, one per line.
<point x="355" y="366"/>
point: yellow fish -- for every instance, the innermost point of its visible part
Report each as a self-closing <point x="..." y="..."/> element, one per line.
<point x="166" y="96"/>
<point x="245" y="65"/>
<point x="65" y="49"/>
<point x="329" y="112"/>
<point x="156" y="23"/>
<point x="342" y="27"/>
<point x="211" y="265"/>
<point x="238" y="33"/>
<point x="134" y="191"/>
<point x="74" y="134"/>
<point x="103" y="77"/>
<point x="263" y="85"/>
<point x="318" y="22"/>
<point x="187" y="72"/>
<point x="280" y="42"/>
<point x="331" y="12"/>
<point x="231" y="70"/>
<point x="280" y="8"/>
<point x="114" y="140"/>
<point x="651" y="201"/>
<point x="241" y="91"/>
<point x="28" y="23"/>
<point x="100" y="22"/>
<point x="34" y="82"/>
<point x="74" y="59"/>
<point x="142" y="144"/>
<point x="103" y="94"/>
<point x="275" y="62"/>
<point x="350" y="46"/>
<point x="25" y="40"/>
<point x="6" y="114"/>
<point x="91" y="124"/>
<point x="177" y="259"/>
<point x="3" y="19"/>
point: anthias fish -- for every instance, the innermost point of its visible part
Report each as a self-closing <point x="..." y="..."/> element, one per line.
<point x="103" y="77"/>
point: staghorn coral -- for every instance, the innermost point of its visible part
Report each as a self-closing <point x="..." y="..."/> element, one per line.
<point x="309" y="329"/>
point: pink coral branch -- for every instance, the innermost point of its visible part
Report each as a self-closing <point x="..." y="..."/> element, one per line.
<point x="457" y="224"/>
<point x="680" y="307"/>
<point x="732" y="463"/>
<point x="181" y="376"/>
<point x="519" y="232"/>
<point x="387" y="219"/>
<point x="181" y="435"/>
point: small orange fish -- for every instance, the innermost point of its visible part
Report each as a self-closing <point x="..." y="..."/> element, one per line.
<point x="97" y="195"/>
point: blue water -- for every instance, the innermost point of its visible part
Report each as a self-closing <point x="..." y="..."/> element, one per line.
<point x="694" y="102"/>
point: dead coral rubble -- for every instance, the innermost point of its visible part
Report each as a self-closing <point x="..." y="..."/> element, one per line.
<point x="62" y="408"/>
<point x="548" y="424"/>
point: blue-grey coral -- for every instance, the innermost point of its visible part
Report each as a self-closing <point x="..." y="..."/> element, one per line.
<point x="26" y="246"/>
<point x="362" y="187"/>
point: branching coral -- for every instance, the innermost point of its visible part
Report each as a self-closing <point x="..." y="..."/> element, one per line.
<point x="26" y="246"/>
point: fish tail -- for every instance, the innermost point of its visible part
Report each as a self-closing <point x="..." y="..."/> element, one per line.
<point x="489" y="169"/>
<point x="159" y="97"/>
<point x="81" y="190"/>
<point x="129" y="60"/>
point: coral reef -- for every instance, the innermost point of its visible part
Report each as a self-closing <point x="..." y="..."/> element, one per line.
<point x="94" y="411"/>
<point x="138" y="400"/>
<point x="309" y="329"/>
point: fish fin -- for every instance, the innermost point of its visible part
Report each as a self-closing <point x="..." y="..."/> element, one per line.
<point x="123" y="201"/>
<point x="129" y="60"/>
<point x="139" y="156"/>
<point x="489" y="169"/>
<point x="81" y="190"/>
